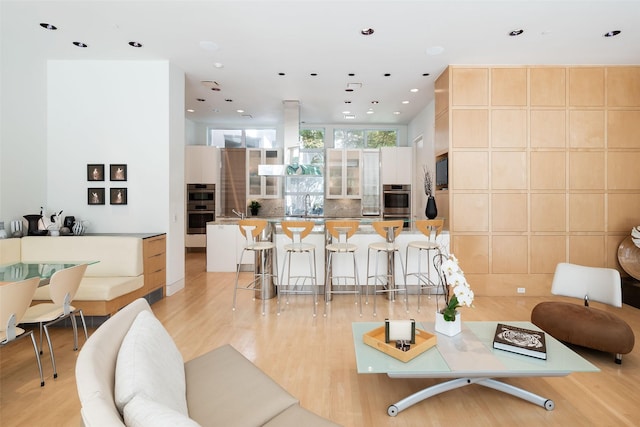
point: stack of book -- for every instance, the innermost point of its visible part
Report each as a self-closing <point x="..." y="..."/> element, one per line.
<point x="519" y="340"/>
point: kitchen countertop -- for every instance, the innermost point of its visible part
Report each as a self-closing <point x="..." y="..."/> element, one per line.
<point x="365" y="223"/>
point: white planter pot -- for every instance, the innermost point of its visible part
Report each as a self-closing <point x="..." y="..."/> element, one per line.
<point x="448" y="328"/>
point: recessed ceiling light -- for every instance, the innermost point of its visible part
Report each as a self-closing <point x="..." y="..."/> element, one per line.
<point x="79" y="44"/>
<point x="48" y="26"/>
<point x="414" y="90"/>
<point x="435" y="50"/>
<point x="191" y="110"/>
<point x="281" y="74"/>
<point x="346" y="112"/>
<point x="348" y="90"/>
<point x="367" y="31"/>
<point x="612" y="33"/>
<point x="200" y="99"/>
<point x="350" y="116"/>
<point x="405" y="102"/>
<point x="396" y="112"/>
<point x="347" y="102"/>
<point x="313" y="74"/>
<point x="240" y="111"/>
<point x="425" y="74"/>
<point x="516" y="32"/>
<point x="218" y="65"/>
<point x="208" y="45"/>
<point x="387" y="74"/>
<point x="370" y="112"/>
<point x="229" y="100"/>
<point x="375" y="102"/>
<point x="135" y="44"/>
<point x="351" y="74"/>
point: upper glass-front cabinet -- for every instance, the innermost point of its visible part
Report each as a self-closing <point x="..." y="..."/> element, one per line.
<point x="344" y="174"/>
<point x="264" y="187"/>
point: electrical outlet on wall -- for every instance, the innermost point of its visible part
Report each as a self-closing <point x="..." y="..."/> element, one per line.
<point x="521" y="290"/>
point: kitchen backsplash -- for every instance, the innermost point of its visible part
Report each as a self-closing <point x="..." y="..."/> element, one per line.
<point x="333" y="208"/>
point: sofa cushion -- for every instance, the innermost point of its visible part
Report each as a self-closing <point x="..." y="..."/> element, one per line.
<point x="99" y="288"/>
<point x="143" y="412"/>
<point x="9" y="251"/>
<point x="149" y="364"/>
<point x="225" y="389"/>
<point x="585" y="326"/>
<point x="118" y="255"/>
<point x="296" y="416"/>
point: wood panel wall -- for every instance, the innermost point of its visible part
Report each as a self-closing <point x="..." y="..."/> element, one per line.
<point x="544" y="167"/>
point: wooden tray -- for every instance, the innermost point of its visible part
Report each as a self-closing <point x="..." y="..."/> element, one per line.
<point x="424" y="341"/>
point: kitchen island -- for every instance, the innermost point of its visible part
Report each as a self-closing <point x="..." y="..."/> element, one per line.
<point x="225" y="243"/>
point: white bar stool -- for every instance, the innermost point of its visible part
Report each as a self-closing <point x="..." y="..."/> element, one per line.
<point x="264" y="252"/>
<point x="297" y="231"/>
<point x="389" y="230"/>
<point x="431" y="228"/>
<point x="342" y="231"/>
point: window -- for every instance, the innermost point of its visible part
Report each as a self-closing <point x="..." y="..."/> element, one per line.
<point x="345" y="138"/>
<point x="242" y="138"/>
<point x="312" y="138"/>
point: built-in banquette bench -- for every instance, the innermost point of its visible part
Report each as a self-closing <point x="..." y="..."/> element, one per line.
<point x="128" y="266"/>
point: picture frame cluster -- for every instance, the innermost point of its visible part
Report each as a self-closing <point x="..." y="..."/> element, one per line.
<point x="97" y="195"/>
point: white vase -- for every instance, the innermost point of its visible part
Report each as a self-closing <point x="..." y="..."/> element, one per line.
<point x="449" y="328"/>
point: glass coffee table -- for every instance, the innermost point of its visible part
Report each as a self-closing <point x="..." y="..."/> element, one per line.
<point x="25" y="270"/>
<point x="468" y="358"/>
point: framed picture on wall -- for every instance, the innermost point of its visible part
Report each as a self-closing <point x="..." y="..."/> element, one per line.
<point x="95" y="196"/>
<point x="118" y="196"/>
<point x="95" y="172"/>
<point x="118" y="172"/>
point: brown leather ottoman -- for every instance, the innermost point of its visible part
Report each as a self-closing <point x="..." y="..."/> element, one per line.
<point x="584" y="326"/>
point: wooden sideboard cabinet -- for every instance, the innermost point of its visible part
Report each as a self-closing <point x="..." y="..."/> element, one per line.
<point x="154" y="254"/>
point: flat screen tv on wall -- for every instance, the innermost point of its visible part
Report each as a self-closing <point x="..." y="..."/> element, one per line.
<point x="442" y="172"/>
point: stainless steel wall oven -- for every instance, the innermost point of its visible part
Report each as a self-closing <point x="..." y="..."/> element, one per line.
<point x="396" y="202"/>
<point x="201" y="207"/>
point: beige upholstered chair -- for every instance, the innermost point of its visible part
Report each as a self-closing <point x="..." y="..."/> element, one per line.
<point x="15" y="297"/>
<point x="389" y="249"/>
<point x="585" y="325"/>
<point x="431" y="228"/>
<point x="296" y="231"/>
<point x="340" y="231"/>
<point x="62" y="288"/>
<point x="264" y="252"/>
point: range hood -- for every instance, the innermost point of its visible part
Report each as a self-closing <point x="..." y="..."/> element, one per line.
<point x="271" y="170"/>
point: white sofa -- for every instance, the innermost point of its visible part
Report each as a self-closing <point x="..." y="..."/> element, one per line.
<point x="117" y="277"/>
<point x="130" y="373"/>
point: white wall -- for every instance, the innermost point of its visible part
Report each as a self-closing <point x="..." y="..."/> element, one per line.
<point x="175" y="166"/>
<point x="129" y="112"/>
<point x="23" y="142"/>
<point x="108" y="112"/>
<point x="422" y="125"/>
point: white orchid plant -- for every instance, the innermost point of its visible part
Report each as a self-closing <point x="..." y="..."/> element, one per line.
<point x="457" y="292"/>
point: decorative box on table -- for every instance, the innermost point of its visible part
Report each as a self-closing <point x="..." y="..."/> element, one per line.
<point x="376" y="339"/>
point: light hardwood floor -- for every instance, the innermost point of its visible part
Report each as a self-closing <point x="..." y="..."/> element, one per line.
<point x="313" y="359"/>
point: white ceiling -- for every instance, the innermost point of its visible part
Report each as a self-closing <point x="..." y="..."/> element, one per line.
<point x="256" y="40"/>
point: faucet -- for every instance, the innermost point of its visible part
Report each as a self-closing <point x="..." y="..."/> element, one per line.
<point x="239" y="214"/>
<point x="307" y="204"/>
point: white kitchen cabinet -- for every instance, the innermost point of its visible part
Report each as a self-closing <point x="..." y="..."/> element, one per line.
<point x="371" y="182"/>
<point x="263" y="187"/>
<point x="224" y="246"/>
<point x="396" y="165"/>
<point x="202" y="164"/>
<point x="343" y="174"/>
